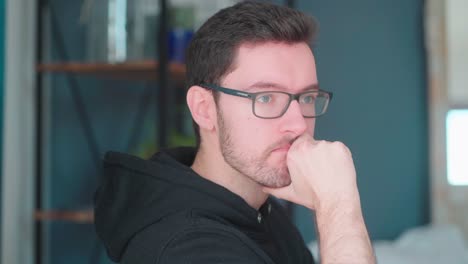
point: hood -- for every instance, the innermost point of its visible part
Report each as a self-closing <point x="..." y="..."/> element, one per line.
<point x="136" y="193"/>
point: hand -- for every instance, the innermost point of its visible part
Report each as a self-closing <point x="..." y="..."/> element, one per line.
<point x="322" y="175"/>
<point x="323" y="179"/>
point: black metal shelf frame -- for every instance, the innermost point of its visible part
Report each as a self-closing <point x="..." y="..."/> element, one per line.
<point x="161" y="108"/>
<point x="161" y="97"/>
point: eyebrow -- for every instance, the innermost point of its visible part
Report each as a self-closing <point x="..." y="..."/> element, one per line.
<point x="270" y="85"/>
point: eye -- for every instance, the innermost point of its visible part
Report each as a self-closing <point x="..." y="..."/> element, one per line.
<point x="265" y="98"/>
<point x="307" y="99"/>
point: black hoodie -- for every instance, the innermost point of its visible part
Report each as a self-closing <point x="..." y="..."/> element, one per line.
<point x="161" y="211"/>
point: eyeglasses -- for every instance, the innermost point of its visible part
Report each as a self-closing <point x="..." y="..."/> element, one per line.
<point x="273" y="104"/>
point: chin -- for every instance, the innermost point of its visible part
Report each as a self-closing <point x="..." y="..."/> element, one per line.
<point x="284" y="182"/>
<point x="278" y="181"/>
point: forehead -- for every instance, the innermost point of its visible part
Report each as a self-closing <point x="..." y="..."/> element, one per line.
<point x="288" y="65"/>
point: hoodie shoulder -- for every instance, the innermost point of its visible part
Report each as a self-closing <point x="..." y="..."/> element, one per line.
<point x="144" y="208"/>
<point x="202" y="242"/>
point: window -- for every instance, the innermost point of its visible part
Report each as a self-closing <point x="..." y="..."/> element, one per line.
<point x="457" y="147"/>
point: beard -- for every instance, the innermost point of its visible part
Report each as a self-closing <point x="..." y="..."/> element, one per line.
<point x="254" y="167"/>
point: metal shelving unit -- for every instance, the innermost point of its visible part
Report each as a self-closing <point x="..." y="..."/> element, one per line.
<point x="158" y="72"/>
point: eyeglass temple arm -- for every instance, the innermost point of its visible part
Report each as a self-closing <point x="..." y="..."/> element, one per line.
<point x="227" y="90"/>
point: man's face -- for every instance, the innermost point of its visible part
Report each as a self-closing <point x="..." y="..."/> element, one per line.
<point x="258" y="147"/>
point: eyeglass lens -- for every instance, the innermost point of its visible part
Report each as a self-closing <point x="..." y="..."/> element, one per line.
<point x="275" y="104"/>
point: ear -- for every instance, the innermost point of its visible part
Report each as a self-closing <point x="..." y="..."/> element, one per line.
<point x="202" y="106"/>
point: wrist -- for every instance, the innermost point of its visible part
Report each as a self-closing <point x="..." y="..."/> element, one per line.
<point x="344" y="217"/>
<point x="343" y="201"/>
<point x="340" y="227"/>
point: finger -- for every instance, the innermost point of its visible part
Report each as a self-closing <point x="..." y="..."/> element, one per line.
<point x="308" y="138"/>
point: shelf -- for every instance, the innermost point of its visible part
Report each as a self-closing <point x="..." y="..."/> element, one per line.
<point x="82" y="217"/>
<point x="132" y="70"/>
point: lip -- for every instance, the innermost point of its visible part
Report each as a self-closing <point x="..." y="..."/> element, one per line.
<point x="282" y="148"/>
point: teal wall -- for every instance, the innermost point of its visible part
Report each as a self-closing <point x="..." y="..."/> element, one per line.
<point x="371" y="55"/>
<point x="112" y="107"/>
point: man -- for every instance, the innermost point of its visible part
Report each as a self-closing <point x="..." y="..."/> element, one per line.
<point x="253" y="95"/>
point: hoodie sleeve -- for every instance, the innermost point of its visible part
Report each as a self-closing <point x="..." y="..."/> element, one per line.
<point x="212" y="247"/>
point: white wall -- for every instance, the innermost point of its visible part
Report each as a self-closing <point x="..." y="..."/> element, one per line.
<point x="447" y="35"/>
<point x="19" y="131"/>
<point x="457" y="52"/>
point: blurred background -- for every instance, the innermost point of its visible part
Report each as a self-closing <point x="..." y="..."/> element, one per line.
<point x="79" y="78"/>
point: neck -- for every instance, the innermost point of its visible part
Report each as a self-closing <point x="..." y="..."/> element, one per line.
<point x="213" y="167"/>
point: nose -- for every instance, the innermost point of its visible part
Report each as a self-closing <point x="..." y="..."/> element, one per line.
<point x="293" y="121"/>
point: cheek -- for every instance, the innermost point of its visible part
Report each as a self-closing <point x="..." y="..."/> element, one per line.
<point x="251" y="134"/>
<point x="238" y="123"/>
<point x="251" y="129"/>
<point x="311" y="127"/>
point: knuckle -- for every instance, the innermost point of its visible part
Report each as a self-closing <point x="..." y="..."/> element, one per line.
<point x="340" y="146"/>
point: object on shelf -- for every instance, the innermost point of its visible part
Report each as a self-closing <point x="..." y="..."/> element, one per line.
<point x="182" y="14"/>
<point x="186" y="17"/>
<point x="126" y="30"/>
<point x="120" y="30"/>
<point x="207" y="8"/>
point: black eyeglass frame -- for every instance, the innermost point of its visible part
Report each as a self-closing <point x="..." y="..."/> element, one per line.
<point x="253" y="97"/>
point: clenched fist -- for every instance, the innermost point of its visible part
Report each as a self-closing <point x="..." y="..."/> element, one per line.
<point x="322" y="174"/>
<point x="323" y="179"/>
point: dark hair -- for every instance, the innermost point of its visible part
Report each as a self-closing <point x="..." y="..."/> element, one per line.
<point x="212" y="51"/>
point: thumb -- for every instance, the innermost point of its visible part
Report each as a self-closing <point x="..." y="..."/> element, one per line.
<point x="307" y="137"/>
